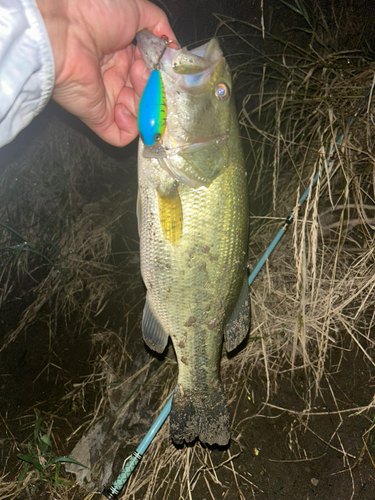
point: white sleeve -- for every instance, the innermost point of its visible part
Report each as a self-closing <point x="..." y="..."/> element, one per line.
<point x="27" y="70"/>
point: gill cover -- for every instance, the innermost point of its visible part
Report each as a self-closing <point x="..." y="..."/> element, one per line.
<point x="152" y="111"/>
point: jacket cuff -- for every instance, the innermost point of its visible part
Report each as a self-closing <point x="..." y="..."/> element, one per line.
<point x="27" y="70"/>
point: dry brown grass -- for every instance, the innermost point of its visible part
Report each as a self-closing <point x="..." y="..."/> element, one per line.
<point x="318" y="288"/>
<point x="58" y="215"/>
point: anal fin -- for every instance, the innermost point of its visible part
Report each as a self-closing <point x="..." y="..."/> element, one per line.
<point x="153" y="332"/>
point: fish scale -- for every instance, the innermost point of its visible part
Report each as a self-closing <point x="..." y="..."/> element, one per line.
<point x="193" y="223"/>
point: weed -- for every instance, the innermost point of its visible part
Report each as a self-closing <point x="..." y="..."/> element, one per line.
<point x="40" y="457"/>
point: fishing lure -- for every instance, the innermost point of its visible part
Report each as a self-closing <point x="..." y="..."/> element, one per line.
<point x="152" y="113"/>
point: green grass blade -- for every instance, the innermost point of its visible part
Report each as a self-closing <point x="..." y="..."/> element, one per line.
<point x="63" y="460"/>
<point x="30" y="459"/>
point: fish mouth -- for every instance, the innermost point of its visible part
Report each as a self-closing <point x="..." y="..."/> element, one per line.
<point x="158" y="53"/>
<point x="191" y="72"/>
<point x="151" y="47"/>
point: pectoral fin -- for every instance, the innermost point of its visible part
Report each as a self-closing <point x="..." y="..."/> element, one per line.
<point x="238" y="324"/>
<point x="170" y="212"/>
<point x="153" y="332"/>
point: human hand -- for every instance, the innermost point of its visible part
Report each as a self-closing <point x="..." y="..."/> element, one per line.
<point x="99" y="74"/>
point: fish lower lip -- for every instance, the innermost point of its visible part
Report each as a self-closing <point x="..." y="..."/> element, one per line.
<point x="191" y="147"/>
<point x="214" y="138"/>
<point x="158" y="151"/>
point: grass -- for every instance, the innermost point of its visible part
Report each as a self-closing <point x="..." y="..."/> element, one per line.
<point x="38" y="469"/>
<point x="40" y="457"/>
<point x="58" y="219"/>
<point x="312" y="303"/>
<point x="61" y="217"/>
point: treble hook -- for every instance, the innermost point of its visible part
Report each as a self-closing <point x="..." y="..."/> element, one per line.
<point x="167" y="44"/>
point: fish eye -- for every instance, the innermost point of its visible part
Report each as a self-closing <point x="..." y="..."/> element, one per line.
<point x="222" y="92"/>
<point x="157" y="137"/>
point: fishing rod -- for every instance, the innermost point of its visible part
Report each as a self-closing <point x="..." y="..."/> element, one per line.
<point x="131" y="463"/>
<point x="114" y="490"/>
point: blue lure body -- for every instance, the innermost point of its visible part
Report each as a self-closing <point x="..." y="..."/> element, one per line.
<point x="152" y="113"/>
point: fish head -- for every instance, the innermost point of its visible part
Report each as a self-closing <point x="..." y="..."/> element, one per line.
<point x="198" y="90"/>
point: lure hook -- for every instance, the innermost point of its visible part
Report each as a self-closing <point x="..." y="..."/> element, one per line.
<point x="167" y="43"/>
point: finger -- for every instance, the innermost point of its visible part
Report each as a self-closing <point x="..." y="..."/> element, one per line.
<point x="115" y="135"/>
<point x="115" y="74"/>
<point x="130" y="100"/>
<point x="155" y="20"/>
<point x="139" y="75"/>
<point x="116" y="123"/>
<point x="126" y="122"/>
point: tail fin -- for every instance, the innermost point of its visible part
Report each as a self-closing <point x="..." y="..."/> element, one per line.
<point x="196" y="414"/>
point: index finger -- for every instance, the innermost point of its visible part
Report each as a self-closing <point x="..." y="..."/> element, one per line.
<point x="155" y="20"/>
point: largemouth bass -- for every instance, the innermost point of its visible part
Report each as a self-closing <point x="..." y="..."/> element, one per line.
<point x="193" y="225"/>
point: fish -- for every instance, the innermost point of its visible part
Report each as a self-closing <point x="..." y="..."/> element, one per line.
<point x="193" y="219"/>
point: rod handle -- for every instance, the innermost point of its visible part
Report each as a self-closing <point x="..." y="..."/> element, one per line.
<point x="113" y="492"/>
